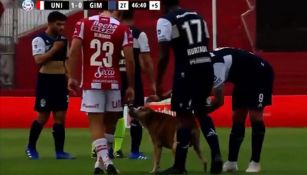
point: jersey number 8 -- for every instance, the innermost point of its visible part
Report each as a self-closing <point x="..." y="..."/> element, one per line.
<point x="106" y="47"/>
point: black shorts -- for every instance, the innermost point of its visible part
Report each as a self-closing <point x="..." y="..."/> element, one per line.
<point x="51" y="93"/>
<point x="254" y="92"/>
<point x="139" y="92"/>
<point x="191" y="88"/>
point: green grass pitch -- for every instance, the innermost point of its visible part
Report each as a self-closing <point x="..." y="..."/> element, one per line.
<point x="284" y="153"/>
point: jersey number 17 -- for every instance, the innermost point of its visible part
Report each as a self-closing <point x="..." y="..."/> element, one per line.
<point x="187" y="27"/>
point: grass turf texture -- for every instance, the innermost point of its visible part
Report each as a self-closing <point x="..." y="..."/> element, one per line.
<point x="284" y="153"/>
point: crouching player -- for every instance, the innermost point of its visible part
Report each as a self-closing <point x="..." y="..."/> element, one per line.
<point x="101" y="39"/>
<point x="253" y="83"/>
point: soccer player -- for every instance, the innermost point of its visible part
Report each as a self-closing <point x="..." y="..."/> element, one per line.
<point x="186" y="32"/>
<point x="253" y="82"/>
<point x="101" y="39"/>
<point x="143" y="63"/>
<point x="50" y="52"/>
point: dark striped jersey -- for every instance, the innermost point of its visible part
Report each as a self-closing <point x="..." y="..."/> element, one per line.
<point x="187" y="31"/>
<point x="43" y="43"/>
<point x="235" y="65"/>
<point x="140" y="45"/>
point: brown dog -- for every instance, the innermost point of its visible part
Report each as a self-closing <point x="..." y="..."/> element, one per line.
<point x="162" y="130"/>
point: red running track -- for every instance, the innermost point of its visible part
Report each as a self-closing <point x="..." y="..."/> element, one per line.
<point x="287" y="111"/>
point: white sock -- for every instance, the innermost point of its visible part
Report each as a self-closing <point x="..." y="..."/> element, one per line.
<point x="98" y="164"/>
<point x="110" y="139"/>
<point x="102" y="151"/>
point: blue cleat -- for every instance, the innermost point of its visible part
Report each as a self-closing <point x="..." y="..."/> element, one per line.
<point x="64" y="155"/>
<point x="137" y="156"/>
<point x="32" y="154"/>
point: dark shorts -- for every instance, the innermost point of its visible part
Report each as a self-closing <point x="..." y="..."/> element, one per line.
<point x="51" y="93"/>
<point x="255" y="92"/>
<point x="139" y="92"/>
<point x="191" y="88"/>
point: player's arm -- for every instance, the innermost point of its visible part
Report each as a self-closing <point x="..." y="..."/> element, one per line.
<point x="146" y="61"/>
<point x="75" y="54"/>
<point x="218" y="87"/>
<point x="73" y="65"/>
<point x="164" y="30"/>
<point x="207" y="35"/>
<point x="66" y="60"/>
<point x="130" y="64"/>
<point x="39" y="52"/>
<point x="218" y="99"/>
<point x="74" y="60"/>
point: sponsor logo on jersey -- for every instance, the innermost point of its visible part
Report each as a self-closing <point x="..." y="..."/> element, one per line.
<point x="217" y="80"/>
<point x="101" y="35"/>
<point x="116" y="104"/>
<point x="102" y="71"/>
<point x="103" y="28"/>
<point x="260" y="105"/>
<point x="90" y="106"/>
<point x="42" y="102"/>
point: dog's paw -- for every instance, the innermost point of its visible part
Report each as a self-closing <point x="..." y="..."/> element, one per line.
<point x="153" y="171"/>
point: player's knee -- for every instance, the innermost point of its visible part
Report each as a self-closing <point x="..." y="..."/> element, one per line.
<point x="238" y="129"/>
<point x="185" y="120"/>
<point x="184" y="137"/>
<point x="43" y="117"/>
<point x="258" y="128"/>
<point x="256" y="115"/>
<point x="110" y="121"/>
<point x="59" y="117"/>
<point x="239" y="115"/>
<point x="204" y="120"/>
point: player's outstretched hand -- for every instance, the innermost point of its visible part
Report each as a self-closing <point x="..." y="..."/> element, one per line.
<point x="73" y="86"/>
<point x="129" y="95"/>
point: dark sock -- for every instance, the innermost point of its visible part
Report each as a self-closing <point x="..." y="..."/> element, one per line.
<point x="59" y="137"/>
<point x="208" y="130"/>
<point x="258" y="132"/>
<point x="136" y="133"/>
<point x="235" y="141"/>
<point x="183" y="141"/>
<point x="35" y="131"/>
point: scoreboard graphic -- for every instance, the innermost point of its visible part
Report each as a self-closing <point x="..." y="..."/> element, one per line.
<point x="29" y="5"/>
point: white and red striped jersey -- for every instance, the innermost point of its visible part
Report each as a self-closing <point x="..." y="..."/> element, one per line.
<point x="103" y="38"/>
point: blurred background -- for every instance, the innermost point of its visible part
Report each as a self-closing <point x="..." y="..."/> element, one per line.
<point x="277" y="30"/>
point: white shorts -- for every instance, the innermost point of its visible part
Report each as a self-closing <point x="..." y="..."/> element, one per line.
<point x="100" y="101"/>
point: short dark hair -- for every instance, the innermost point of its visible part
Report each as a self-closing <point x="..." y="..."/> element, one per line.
<point x="127" y="14"/>
<point x="170" y="2"/>
<point x="56" y="16"/>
